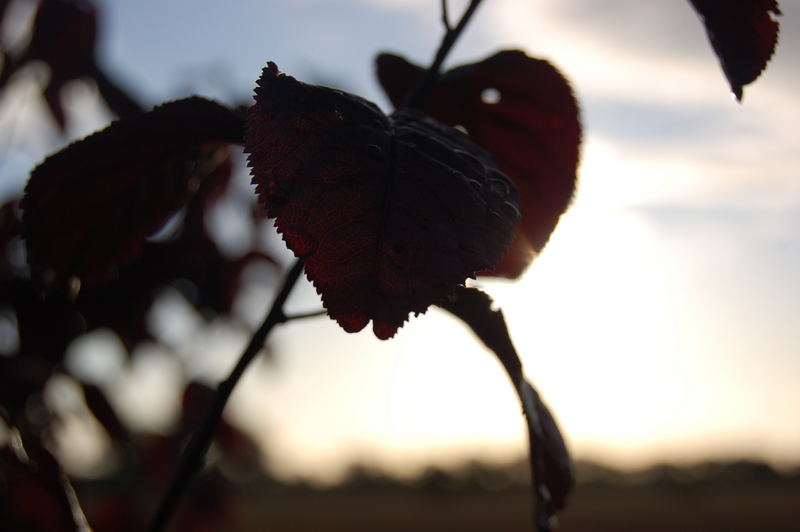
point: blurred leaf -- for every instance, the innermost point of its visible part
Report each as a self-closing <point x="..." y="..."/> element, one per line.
<point x="102" y="410"/>
<point x="743" y="33"/>
<point x="189" y="260"/>
<point x="21" y="378"/>
<point x="46" y="324"/>
<point x="64" y="37"/>
<point x="520" y="109"/>
<point x="388" y="214"/>
<point x="10" y="230"/>
<point x="35" y="495"/>
<point x="116" y="98"/>
<point x="196" y="400"/>
<point x="88" y="209"/>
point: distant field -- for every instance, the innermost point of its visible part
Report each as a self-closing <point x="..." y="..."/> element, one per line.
<point x="628" y="509"/>
<point x="740" y="496"/>
<point x="773" y="509"/>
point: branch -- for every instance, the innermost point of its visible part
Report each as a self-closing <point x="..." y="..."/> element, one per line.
<point x="419" y="93"/>
<point x="194" y="455"/>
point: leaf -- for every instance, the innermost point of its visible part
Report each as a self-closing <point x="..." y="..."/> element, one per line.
<point x="552" y="471"/>
<point x="21" y="377"/>
<point x="106" y="415"/>
<point x="523" y="112"/>
<point x="188" y="260"/>
<point x="743" y="34"/>
<point x="88" y="209"/>
<point x="10" y="230"/>
<point x="35" y="494"/>
<point x="388" y="214"/>
<point x="64" y="37"/>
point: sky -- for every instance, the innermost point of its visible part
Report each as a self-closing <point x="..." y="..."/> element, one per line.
<point x="660" y="322"/>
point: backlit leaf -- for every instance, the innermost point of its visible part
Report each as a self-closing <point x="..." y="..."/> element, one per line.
<point x="388" y="213"/>
<point x="553" y="476"/>
<point x="743" y="33"/>
<point x="523" y="112"/>
<point x="101" y="409"/>
<point x="88" y="209"/>
<point x="35" y="494"/>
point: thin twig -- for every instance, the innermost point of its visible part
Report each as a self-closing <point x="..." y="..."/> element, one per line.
<point x="446" y="17"/>
<point x="194" y="455"/>
<point x="304" y="315"/>
<point x="419" y="93"/>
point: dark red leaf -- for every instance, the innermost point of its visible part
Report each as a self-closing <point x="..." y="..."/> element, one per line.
<point x="21" y="378"/>
<point x="35" y="493"/>
<point x="195" y="403"/>
<point x="52" y="97"/>
<point x="117" y="99"/>
<point x="552" y="466"/>
<point x="46" y="324"/>
<point x="102" y="410"/>
<point x="189" y="261"/>
<point x="550" y="449"/>
<point x="88" y="209"/>
<point x="743" y="33"/>
<point x="3" y="5"/>
<point x="389" y="214"/>
<point x="5" y="67"/>
<point x="10" y="231"/>
<point x="5" y="57"/>
<point x="63" y="36"/>
<point x="520" y="109"/>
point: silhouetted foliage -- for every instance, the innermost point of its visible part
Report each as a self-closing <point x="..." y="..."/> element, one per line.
<point x="64" y="38"/>
<point x="389" y="214"/>
<point x="89" y="208"/>
<point x="743" y="34"/>
<point x="523" y="111"/>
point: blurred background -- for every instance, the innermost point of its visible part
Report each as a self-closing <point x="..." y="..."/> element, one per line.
<point x="660" y="323"/>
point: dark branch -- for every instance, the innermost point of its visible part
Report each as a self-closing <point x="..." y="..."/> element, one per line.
<point x="419" y="94"/>
<point x="194" y="455"/>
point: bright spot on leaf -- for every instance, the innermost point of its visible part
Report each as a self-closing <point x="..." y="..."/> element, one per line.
<point x="491" y="96"/>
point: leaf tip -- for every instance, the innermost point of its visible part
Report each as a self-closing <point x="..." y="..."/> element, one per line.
<point x="351" y="322"/>
<point x="384" y="330"/>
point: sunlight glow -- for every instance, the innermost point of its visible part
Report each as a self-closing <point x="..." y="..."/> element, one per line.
<point x="658" y="323"/>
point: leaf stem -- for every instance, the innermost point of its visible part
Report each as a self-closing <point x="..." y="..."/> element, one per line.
<point x="193" y="457"/>
<point x="419" y="93"/>
<point x="304" y="315"/>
